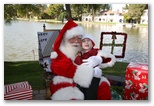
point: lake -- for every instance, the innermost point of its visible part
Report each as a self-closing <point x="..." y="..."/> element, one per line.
<point x="21" y="40"/>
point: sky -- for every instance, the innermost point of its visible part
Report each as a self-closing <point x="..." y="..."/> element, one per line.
<point x="118" y="6"/>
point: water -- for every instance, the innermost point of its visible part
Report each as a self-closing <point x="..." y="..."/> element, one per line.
<point x="21" y="42"/>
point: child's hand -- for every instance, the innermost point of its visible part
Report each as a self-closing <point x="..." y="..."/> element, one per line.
<point x="93" y="61"/>
<point x="97" y="72"/>
<point x="79" y="54"/>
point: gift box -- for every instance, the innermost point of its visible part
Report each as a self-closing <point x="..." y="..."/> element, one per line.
<point x="136" y="82"/>
<point x="18" y="91"/>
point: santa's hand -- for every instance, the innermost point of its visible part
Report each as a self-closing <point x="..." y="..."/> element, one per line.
<point x="93" y="61"/>
<point x="97" y="72"/>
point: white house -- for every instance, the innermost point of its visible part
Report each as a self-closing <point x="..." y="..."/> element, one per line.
<point x="109" y="16"/>
<point x="87" y="18"/>
<point x="144" y="17"/>
<point x="114" y="16"/>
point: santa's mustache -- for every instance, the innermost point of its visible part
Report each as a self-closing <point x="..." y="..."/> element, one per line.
<point x="75" y="44"/>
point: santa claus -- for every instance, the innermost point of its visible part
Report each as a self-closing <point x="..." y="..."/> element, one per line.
<point x="67" y="74"/>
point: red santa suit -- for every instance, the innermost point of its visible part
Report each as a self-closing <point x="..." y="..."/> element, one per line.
<point x="68" y="74"/>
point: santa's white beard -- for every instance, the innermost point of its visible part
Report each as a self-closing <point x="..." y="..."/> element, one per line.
<point x="69" y="50"/>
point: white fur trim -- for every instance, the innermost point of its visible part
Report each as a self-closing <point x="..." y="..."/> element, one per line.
<point x="78" y="30"/>
<point x="83" y="75"/>
<point x="61" y="79"/>
<point x="103" y="79"/>
<point x="106" y="55"/>
<point x="68" y="93"/>
<point x="53" y="55"/>
<point x="89" y="36"/>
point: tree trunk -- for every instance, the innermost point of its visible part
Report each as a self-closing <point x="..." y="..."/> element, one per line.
<point x="68" y="12"/>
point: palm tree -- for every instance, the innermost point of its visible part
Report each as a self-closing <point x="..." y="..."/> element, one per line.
<point x="68" y="12"/>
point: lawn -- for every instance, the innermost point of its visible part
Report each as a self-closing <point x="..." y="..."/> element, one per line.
<point x="118" y="69"/>
<point x="32" y="72"/>
<point x="29" y="71"/>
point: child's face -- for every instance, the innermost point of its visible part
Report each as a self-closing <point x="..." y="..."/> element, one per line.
<point x="86" y="44"/>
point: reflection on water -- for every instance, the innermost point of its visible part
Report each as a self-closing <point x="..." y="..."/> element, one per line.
<point x="20" y="38"/>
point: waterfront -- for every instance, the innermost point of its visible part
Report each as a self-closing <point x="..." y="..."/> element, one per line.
<point x="21" y="41"/>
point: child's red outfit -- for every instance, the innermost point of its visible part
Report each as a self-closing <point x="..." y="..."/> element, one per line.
<point x="91" y="92"/>
<point x="92" y="52"/>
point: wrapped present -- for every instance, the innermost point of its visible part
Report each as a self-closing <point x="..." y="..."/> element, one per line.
<point x="18" y="91"/>
<point x="136" y="82"/>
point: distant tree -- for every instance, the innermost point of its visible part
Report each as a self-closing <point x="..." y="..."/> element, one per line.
<point x="77" y="10"/>
<point x="30" y="10"/>
<point x="135" y="11"/>
<point x="10" y="12"/>
<point x="39" y="10"/>
<point x="127" y="6"/>
<point x="54" y="10"/>
<point x="62" y="16"/>
<point x="105" y="7"/>
<point x="24" y="10"/>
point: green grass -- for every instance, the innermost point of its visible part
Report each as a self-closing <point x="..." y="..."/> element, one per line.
<point x="32" y="72"/>
<point x="118" y="69"/>
<point x="29" y="71"/>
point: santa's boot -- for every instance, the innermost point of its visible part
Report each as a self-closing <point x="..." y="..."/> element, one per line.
<point x="104" y="92"/>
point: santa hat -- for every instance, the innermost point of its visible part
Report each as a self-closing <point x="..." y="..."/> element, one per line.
<point x="70" y="30"/>
<point x="90" y="37"/>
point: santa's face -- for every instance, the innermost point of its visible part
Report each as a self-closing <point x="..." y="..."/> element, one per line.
<point x="71" y="46"/>
<point x="75" y="41"/>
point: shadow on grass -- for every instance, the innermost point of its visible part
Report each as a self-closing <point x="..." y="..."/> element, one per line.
<point x="29" y="71"/>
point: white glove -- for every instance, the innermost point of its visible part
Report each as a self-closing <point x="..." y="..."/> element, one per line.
<point x="97" y="72"/>
<point x="93" y="61"/>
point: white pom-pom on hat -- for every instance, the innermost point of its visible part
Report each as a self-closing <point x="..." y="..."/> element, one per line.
<point x="53" y="55"/>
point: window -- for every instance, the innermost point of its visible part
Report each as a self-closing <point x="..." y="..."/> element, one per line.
<point x="111" y="13"/>
<point x="120" y="14"/>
